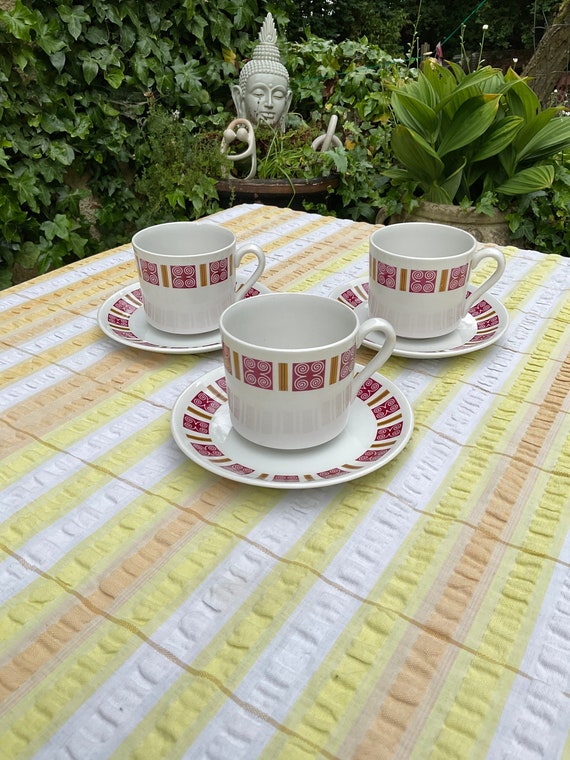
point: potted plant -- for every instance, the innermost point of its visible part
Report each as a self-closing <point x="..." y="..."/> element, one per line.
<point x="288" y="169"/>
<point x="478" y="141"/>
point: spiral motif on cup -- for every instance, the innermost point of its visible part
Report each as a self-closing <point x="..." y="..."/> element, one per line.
<point x="386" y="275"/>
<point x="257" y="372"/>
<point x="183" y="276"/>
<point x="457" y="277"/>
<point x="347" y="362"/>
<point x="218" y="271"/>
<point x="422" y="280"/>
<point x="149" y="272"/>
<point x="308" y="376"/>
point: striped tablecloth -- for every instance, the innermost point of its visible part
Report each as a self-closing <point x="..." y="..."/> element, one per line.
<point x="151" y="609"/>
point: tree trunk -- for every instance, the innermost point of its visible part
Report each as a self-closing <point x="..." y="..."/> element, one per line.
<point x="551" y="57"/>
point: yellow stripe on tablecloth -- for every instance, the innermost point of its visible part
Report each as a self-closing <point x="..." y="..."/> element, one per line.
<point x="95" y="631"/>
<point x="47" y="312"/>
<point x="540" y="533"/>
<point x="230" y="654"/>
<point x="472" y="463"/>
<point x="55" y="274"/>
<point x="300" y="274"/>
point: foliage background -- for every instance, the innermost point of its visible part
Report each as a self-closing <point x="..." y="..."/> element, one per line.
<point x="79" y="81"/>
<point x="513" y="24"/>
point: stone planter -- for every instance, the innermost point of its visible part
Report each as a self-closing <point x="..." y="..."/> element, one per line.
<point x="484" y="228"/>
<point x="276" y="192"/>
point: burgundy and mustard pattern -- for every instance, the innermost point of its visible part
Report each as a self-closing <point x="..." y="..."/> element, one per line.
<point x="487" y="321"/>
<point x="184" y="277"/>
<point x="289" y="376"/>
<point x="383" y="402"/>
<point x="418" y="280"/>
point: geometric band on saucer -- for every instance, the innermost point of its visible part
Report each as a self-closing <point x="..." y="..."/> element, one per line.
<point x="379" y="426"/>
<point x="485" y="323"/>
<point x="122" y="318"/>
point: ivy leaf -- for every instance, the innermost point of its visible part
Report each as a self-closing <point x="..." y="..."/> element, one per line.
<point x="61" y="152"/>
<point x="58" y="60"/>
<point x="90" y="69"/>
<point x="58" y="227"/>
<point x="115" y="76"/>
<point x="4" y="160"/>
<point x="19" y="21"/>
<point x="25" y="187"/>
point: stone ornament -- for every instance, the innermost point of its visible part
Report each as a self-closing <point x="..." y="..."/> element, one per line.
<point x="263" y="93"/>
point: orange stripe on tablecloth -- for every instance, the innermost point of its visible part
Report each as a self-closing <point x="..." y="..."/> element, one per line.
<point x="415" y="676"/>
<point x="73" y="396"/>
<point x="24" y="669"/>
<point x="315" y="256"/>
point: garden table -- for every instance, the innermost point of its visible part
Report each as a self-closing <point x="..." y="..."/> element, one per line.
<point x="154" y="608"/>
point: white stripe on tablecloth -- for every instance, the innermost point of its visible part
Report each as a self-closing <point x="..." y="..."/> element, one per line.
<point x="535" y="723"/>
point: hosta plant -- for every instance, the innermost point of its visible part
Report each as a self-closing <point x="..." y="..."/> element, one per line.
<point x="473" y="138"/>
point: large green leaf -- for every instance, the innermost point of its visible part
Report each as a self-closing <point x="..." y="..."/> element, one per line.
<point x="452" y="182"/>
<point x="438" y="194"/>
<point x="528" y="181"/>
<point x="472" y="119"/>
<point x="441" y="80"/>
<point x="416" y="155"/>
<point x="533" y="125"/>
<point x="550" y="140"/>
<point x="415" y="115"/>
<point x="521" y="99"/>
<point x="498" y="137"/>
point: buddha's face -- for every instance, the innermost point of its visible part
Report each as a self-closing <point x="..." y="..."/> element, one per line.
<point x="267" y="98"/>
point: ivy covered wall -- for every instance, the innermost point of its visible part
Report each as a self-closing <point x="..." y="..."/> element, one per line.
<point x="75" y="82"/>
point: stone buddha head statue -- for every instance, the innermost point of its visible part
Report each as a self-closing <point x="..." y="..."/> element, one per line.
<point x="263" y="93"/>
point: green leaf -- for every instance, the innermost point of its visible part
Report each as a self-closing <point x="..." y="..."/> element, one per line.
<point x="19" y="21"/>
<point x="90" y="69"/>
<point x="25" y="187"/>
<point x="59" y="227"/>
<point x="441" y="80"/>
<point x="521" y="99"/>
<point x="115" y="76"/>
<point x="415" y="115"/>
<point x="4" y="160"/>
<point x="472" y="119"/>
<point x="416" y="155"/>
<point x="498" y="137"/>
<point x="528" y="181"/>
<point x="61" y="152"/>
<point x="550" y="140"/>
<point x="58" y="60"/>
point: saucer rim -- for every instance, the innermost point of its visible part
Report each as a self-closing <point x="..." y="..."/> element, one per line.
<point x="442" y="353"/>
<point x="182" y="402"/>
<point x="203" y="348"/>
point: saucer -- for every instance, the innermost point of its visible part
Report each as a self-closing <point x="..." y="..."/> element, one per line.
<point x="122" y="318"/>
<point x="484" y="324"/>
<point x="379" y="426"/>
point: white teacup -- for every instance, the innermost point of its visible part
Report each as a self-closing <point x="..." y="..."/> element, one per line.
<point x="187" y="273"/>
<point x="289" y="364"/>
<point x="419" y="277"/>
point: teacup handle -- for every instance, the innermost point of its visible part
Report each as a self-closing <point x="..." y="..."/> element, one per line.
<point x="238" y="256"/>
<point x="379" y="325"/>
<point x="478" y="256"/>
